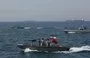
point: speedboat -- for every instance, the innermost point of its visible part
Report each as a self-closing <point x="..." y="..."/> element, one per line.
<point x="36" y="45"/>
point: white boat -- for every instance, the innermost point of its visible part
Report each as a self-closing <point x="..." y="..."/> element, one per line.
<point x="77" y="31"/>
<point x="81" y="29"/>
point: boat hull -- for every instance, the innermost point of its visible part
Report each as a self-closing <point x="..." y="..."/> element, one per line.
<point x="44" y="48"/>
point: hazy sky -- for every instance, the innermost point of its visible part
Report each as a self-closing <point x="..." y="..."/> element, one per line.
<point x="44" y="10"/>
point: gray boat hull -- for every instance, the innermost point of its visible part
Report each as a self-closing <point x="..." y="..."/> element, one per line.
<point x="44" y="48"/>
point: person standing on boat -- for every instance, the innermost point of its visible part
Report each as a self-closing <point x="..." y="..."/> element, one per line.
<point x="53" y="39"/>
<point x="43" y="42"/>
<point x="39" y="42"/>
<point x="47" y="42"/>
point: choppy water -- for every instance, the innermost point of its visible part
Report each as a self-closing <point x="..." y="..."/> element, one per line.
<point x="9" y="38"/>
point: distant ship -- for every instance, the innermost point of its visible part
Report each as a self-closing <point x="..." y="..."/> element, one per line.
<point x="20" y="27"/>
<point x="81" y="29"/>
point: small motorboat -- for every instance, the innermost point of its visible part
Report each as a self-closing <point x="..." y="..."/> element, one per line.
<point x="77" y="31"/>
<point x="36" y="45"/>
<point x="81" y="29"/>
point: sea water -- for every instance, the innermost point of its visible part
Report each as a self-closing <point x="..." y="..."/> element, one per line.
<point x="9" y="38"/>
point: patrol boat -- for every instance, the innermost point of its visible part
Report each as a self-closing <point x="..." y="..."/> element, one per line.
<point x="81" y="29"/>
<point x="36" y="46"/>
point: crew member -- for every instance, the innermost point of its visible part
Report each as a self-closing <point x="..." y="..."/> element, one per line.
<point x="53" y="39"/>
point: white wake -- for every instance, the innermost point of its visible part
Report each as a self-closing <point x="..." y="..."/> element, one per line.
<point x="79" y="49"/>
<point x="29" y="50"/>
<point x="76" y="49"/>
